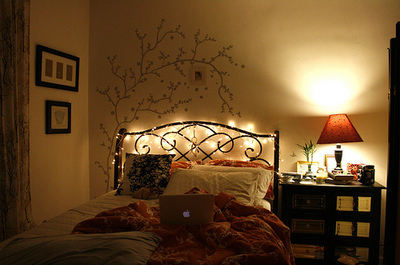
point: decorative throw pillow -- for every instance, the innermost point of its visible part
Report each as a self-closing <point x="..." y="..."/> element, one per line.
<point x="147" y="171"/>
<point x="238" y="163"/>
<point x="184" y="164"/>
<point x="353" y="169"/>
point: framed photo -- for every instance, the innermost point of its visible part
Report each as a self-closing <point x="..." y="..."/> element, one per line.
<point x="58" y="117"/>
<point x="330" y="162"/>
<point x="302" y="167"/>
<point x="56" y="69"/>
<point x="198" y="76"/>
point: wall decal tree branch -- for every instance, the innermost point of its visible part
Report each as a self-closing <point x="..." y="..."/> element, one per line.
<point x="150" y="66"/>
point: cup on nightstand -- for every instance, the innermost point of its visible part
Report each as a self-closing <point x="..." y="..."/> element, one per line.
<point x="321" y="176"/>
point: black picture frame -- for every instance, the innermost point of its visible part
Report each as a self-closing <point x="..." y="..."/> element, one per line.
<point x="56" y="69"/>
<point x="198" y="76"/>
<point x="58" y="117"/>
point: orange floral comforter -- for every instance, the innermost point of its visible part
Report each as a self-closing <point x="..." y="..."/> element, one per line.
<point x="239" y="234"/>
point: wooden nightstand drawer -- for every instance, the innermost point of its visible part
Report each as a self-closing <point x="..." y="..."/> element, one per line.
<point x="351" y="203"/>
<point x="308" y="201"/>
<point x="308" y="226"/>
<point x="308" y="251"/>
<point x="358" y="229"/>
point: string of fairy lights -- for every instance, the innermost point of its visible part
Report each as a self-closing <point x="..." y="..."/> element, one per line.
<point x="194" y="139"/>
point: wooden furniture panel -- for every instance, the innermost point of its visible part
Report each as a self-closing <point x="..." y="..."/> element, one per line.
<point x="327" y="220"/>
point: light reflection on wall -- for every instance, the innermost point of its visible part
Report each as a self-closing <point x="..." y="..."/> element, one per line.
<point x="331" y="90"/>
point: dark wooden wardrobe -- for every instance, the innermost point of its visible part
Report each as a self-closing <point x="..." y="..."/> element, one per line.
<point x="392" y="229"/>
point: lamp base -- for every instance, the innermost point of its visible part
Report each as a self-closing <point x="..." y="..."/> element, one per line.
<point x="337" y="171"/>
<point x="338" y="157"/>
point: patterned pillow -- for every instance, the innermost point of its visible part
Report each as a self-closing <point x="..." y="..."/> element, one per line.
<point x="183" y="164"/>
<point x="353" y="169"/>
<point x="238" y="163"/>
<point x="147" y="171"/>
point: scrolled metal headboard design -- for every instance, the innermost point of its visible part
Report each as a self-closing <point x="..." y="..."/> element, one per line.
<point x="176" y="138"/>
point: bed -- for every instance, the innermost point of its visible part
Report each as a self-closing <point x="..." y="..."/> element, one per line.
<point x="123" y="227"/>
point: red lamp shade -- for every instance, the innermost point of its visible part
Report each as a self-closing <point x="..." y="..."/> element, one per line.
<point x="339" y="129"/>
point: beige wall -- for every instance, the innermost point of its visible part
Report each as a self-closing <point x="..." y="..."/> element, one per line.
<point x="59" y="163"/>
<point x="303" y="61"/>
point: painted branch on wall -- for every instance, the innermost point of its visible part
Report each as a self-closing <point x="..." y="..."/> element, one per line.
<point x="151" y="66"/>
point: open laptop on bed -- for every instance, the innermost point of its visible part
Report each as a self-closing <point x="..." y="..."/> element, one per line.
<point x="186" y="209"/>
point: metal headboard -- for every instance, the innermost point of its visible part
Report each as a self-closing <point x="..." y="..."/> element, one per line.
<point x="169" y="135"/>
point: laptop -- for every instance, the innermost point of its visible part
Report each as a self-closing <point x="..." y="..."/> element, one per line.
<point x="186" y="209"/>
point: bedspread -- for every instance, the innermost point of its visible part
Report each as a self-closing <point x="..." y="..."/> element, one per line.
<point x="239" y="234"/>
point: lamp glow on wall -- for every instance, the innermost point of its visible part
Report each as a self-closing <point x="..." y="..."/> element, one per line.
<point x="337" y="130"/>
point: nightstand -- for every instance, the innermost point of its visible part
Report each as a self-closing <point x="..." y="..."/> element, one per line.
<point x="327" y="220"/>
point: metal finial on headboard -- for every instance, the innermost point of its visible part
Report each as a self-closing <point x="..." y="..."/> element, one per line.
<point x="170" y="135"/>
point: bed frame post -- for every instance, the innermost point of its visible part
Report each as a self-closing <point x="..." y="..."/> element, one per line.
<point x="276" y="152"/>
<point x="117" y="157"/>
<point x="276" y="170"/>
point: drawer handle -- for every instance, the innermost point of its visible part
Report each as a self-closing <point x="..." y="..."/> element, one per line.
<point x="308" y="226"/>
<point x="308" y="202"/>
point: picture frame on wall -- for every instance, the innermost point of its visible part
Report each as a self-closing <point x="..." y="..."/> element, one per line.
<point x="58" y="117"/>
<point x="56" y="69"/>
<point x="198" y="76"/>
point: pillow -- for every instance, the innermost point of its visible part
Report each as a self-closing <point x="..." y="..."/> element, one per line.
<point x="239" y="163"/>
<point x="264" y="178"/>
<point x="242" y="185"/>
<point x="147" y="171"/>
<point x="353" y="169"/>
<point x="183" y="164"/>
<point x="134" y="247"/>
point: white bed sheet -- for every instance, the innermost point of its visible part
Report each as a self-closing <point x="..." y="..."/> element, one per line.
<point x="64" y="223"/>
<point x="265" y="204"/>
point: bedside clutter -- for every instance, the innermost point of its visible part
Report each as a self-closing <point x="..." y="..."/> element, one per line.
<point x="290" y="176"/>
<point x="365" y="175"/>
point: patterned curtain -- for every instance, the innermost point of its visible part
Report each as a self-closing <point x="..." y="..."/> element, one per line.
<point x="15" y="196"/>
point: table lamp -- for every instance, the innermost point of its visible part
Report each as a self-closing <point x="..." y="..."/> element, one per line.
<point x="338" y="129"/>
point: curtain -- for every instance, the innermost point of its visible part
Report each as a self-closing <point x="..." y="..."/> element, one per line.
<point x="15" y="196"/>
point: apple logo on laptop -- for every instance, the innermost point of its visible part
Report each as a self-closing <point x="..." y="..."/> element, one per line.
<point x="186" y="214"/>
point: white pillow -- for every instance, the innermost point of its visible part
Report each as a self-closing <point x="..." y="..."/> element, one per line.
<point x="264" y="178"/>
<point x="242" y="185"/>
